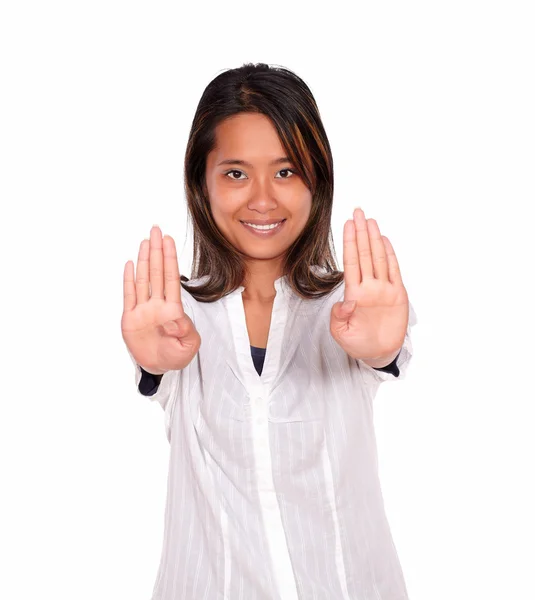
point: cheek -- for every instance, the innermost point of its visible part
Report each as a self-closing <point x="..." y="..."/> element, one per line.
<point x="225" y="198"/>
<point x="219" y="205"/>
<point x="305" y="216"/>
<point x="305" y="204"/>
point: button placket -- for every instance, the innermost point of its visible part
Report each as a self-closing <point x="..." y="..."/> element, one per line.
<point x="260" y="410"/>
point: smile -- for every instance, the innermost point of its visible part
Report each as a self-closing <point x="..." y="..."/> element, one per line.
<point x="264" y="230"/>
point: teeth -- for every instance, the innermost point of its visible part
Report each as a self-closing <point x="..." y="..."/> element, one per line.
<point x="265" y="227"/>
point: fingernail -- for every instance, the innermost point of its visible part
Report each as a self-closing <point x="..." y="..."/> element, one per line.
<point x="348" y="305"/>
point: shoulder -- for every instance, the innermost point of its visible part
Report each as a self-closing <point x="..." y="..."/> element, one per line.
<point x="189" y="302"/>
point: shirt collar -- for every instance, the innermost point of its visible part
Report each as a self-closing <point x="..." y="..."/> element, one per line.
<point x="280" y="284"/>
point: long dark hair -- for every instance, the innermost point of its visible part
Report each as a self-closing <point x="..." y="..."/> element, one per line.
<point x="286" y="99"/>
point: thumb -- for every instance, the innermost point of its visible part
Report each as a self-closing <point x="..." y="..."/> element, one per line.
<point x="172" y="328"/>
<point x="342" y="310"/>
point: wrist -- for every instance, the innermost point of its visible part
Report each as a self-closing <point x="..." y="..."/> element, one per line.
<point x="381" y="361"/>
<point x="152" y="371"/>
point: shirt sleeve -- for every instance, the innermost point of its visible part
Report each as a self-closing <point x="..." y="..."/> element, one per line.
<point x="164" y="388"/>
<point x="158" y="388"/>
<point x="149" y="383"/>
<point x="396" y="370"/>
<point x="391" y="368"/>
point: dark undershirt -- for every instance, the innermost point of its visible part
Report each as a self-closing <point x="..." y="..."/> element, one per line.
<point x="149" y="383"/>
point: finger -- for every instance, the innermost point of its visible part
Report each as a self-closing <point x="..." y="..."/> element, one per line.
<point x="350" y="258"/>
<point x="142" y="272"/>
<point x="129" y="287"/>
<point x="380" y="265"/>
<point x="156" y="263"/>
<point x="363" y="244"/>
<point x="171" y="272"/>
<point x="394" y="273"/>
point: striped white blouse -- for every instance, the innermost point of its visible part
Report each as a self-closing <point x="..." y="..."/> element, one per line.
<point x="273" y="488"/>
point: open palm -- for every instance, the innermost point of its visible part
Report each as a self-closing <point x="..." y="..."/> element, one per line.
<point x="375" y="325"/>
<point x="158" y="333"/>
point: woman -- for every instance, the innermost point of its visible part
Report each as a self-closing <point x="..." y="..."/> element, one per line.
<point x="267" y="378"/>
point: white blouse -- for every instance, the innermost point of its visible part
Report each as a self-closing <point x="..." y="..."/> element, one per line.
<point x="273" y="488"/>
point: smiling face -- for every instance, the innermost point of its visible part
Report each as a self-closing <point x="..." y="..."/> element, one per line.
<point x="262" y="187"/>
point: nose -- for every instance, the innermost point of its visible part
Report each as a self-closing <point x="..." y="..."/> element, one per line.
<point x="262" y="198"/>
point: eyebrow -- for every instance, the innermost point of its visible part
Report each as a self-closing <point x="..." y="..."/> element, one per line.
<point x="235" y="161"/>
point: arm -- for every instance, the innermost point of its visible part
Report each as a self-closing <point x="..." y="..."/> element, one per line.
<point x="149" y="382"/>
<point x="384" y="361"/>
<point x="391" y="368"/>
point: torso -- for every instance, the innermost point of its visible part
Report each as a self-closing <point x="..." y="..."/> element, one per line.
<point x="258" y="319"/>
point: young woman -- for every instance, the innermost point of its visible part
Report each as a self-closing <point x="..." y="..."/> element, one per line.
<point x="266" y="362"/>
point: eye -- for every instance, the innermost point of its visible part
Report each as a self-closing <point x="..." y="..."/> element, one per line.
<point x="233" y="171"/>
<point x="292" y="171"/>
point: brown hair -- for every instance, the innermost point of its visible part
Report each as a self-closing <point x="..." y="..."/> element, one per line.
<point x="285" y="98"/>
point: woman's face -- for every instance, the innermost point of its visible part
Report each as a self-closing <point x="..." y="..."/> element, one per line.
<point x="261" y="188"/>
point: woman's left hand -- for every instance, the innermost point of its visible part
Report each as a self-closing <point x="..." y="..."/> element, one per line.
<point x="375" y="326"/>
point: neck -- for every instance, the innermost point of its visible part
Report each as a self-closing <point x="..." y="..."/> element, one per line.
<point x="259" y="282"/>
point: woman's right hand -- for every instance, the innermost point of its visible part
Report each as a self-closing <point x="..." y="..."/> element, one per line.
<point x="150" y="313"/>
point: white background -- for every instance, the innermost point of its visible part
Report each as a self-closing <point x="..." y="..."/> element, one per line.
<point x="429" y="108"/>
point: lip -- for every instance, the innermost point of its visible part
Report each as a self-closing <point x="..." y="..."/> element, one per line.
<point x="262" y="221"/>
<point x="268" y="232"/>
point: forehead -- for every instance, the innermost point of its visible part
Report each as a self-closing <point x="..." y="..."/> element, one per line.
<point x="247" y="136"/>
